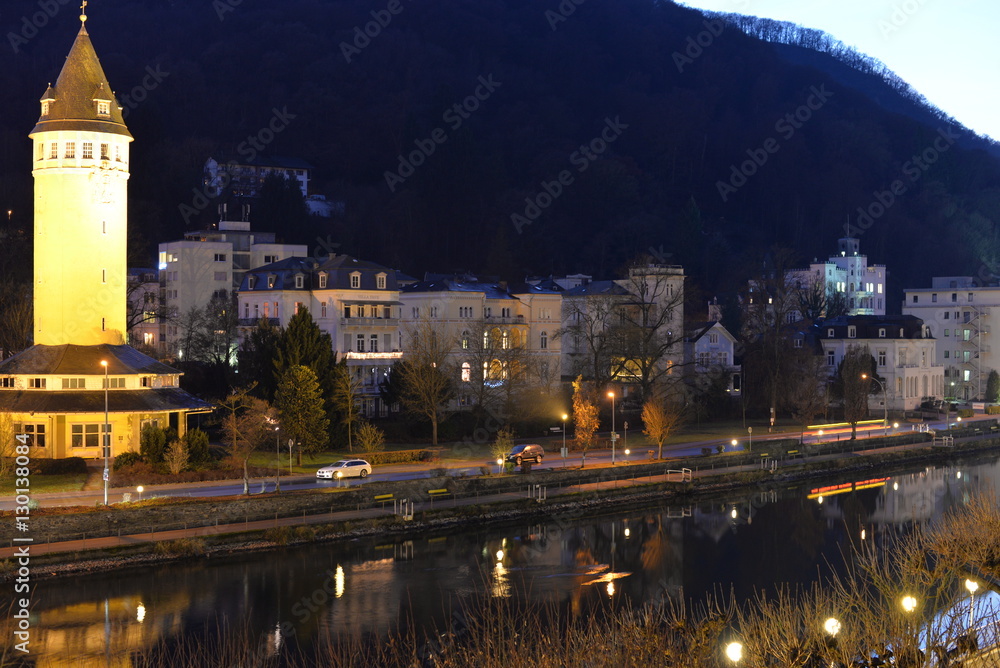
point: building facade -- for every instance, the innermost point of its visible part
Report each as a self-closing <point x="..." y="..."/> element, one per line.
<point x="847" y="278"/>
<point x="904" y="353"/>
<point x="958" y="311"/>
<point x="356" y="302"/>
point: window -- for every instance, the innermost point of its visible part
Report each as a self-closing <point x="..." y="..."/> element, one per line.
<point x="322" y="281"/>
<point x="7" y="381"/>
<point x="103" y="108"/>
<point x="954" y="296"/>
<point x="276" y="309"/>
<point x="105" y="152"/>
<point x="70" y="149"/>
<point x="221" y="276"/>
<point x="881" y="358"/>
<point x="380" y="281"/>
<point x="361" y="343"/>
<point x="915" y="299"/>
<point x="34" y="432"/>
<point x="466" y="372"/>
<point x="544" y="341"/>
<point x="148" y="338"/>
<point x="947" y="315"/>
<point x="299" y="281"/>
<point x="703" y="359"/>
<point x="322" y="310"/>
<point x="219" y="257"/>
<point x="256" y="310"/>
<point x="88" y="150"/>
<point x="268" y="259"/>
<point x="74" y="383"/>
<point x="298" y="305"/>
<point x="852" y="332"/>
<point x="934" y="298"/>
<point x="355" y="280"/>
<point x="347" y="311"/>
<point x="434" y="311"/>
<point x="373" y="343"/>
<point x="115" y="384"/>
<point x="465" y="340"/>
<point x="829" y="333"/>
<point x="270" y="281"/>
<point x="85" y="435"/>
<point x="947" y="332"/>
<point x="946" y="355"/>
<point x="36" y="383"/>
<point x="118" y="153"/>
<point x="54" y="150"/>
<point x="41" y="151"/>
<point x="724" y="358"/>
<point x="45" y="108"/>
<point x="881" y="332"/>
<point x="714" y="338"/>
<point x="969" y="299"/>
<point x="797" y="343"/>
<point x="902" y="358"/>
<point x="830" y="358"/>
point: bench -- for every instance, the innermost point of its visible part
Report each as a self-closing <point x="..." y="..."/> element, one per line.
<point x="437" y="494"/>
<point x="792" y="454"/>
<point x="384" y="498"/>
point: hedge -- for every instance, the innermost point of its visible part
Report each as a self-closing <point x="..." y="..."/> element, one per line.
<point x="399" y="456"/>
<point x="966" y="412"/>
<point x="57" y="466"/>
<point x="993" y="410"/>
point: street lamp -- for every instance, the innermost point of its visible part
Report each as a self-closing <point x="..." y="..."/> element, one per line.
<point x="613" y="435"/>
<point x="499" y="466"/>
<point x="734" y="652"/>
<point x="972" y="586"/>
<point x="277" y="459"/>
<point x="139" y="489"/>
<point x="734" y="442"/>
<point x="564" y="418"/>
<point x="885" y="402"/>
<point x="105" y="436"/>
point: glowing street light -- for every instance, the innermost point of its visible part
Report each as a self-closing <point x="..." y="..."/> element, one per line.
<point x="832" y="626"/>
<point x="499" y="466"/>
<point x="972" y="586"/>
<point x="885" y="402"/>
<point x="139" y="489"/>
<point x="734" y="652"/>
<point x="564" y="418"/>
<point x="613" y="434"/>
<point x="105" y="435"/>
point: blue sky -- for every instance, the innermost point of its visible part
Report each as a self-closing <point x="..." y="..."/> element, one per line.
<point x="946" y="49"/>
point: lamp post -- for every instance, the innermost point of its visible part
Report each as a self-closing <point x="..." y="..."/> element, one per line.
<point x="885" y="403"/>
<point x="734" y="652"/>
<point x="564" y="418"/>
<point x="613" y="435"/>
<point x="291" y="442"/>
<point x="972" y="586"/>
<point x="277" y="460"/>
<point x="909" y="604"/>
<point x="105" y="436"/>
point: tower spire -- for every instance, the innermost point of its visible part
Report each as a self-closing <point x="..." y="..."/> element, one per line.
<point x="83" y="12"/>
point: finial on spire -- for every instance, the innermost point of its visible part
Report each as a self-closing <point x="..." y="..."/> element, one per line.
<point x="83" y="12"/>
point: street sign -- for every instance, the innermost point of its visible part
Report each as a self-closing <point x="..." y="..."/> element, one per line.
<point x="614" y="436"/>
<point x="106" y="476"/>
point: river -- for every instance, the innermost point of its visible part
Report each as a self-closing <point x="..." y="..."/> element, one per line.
<point x="367" y="588"/>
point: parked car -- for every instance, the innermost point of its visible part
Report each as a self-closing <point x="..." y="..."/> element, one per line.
<point x="345" y="468"/>
<point x="528" y="451"/>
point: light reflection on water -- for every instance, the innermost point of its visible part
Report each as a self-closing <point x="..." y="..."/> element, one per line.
<point x="373" y="586"/>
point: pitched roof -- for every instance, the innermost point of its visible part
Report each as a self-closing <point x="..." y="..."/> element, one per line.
<point x="69" y="359"/>
<point x="80" y="82"/>
<point x="119" y="401"/>
<point x="596" y="288"/>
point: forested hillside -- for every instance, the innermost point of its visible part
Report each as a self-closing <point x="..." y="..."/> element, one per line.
<point x="714" y="145"/>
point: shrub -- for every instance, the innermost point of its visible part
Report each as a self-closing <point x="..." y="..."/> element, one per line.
<point x="152" y="443"/>
<point x="127" y="459"/>
<point x="278" y="535"/>
<point x="182" y="547"/>
<point x="400" y="456"/>
<point x="197" y="446"/>
<point x="371" y="438"/>
<point x="966" y="412"/>
<point x="57" y="466"/>
<point x="176" y="457"/>
<point x="993" y="410"/>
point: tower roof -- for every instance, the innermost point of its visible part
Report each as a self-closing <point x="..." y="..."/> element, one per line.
<point x="74" y="97"/>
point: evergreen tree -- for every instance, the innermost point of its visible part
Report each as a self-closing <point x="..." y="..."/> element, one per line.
<point x="300" y="408"/>
<point x="993" y="387"/>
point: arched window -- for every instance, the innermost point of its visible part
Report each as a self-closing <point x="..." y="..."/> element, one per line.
<point x="465" y="342"/>
<point x="505" y="341"/>
<point x="544" y="341"/>
<point x="466" y="372"/>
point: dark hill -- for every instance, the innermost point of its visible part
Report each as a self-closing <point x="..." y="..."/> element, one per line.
<point x="231" y="64"/>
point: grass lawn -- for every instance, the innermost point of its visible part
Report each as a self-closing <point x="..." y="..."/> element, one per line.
<point x="59" y="482"/>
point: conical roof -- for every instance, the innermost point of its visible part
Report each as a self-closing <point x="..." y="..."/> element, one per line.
<point x="80" y="84"/>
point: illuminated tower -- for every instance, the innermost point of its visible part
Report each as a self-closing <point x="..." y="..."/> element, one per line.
<point x="80" y="166"/>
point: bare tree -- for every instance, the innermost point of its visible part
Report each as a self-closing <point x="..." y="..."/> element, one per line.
<point x="245" y="427"/>
<point x="853" y="384"/>
<point x="807" y="396"/>
<point x="588" y="337"/>
<point x="427" y="385"/>
<point x="346" y="398"/>
<point x="17" y="316"/>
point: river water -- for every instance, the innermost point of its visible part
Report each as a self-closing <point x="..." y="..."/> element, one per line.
<point x="367" y="588"/>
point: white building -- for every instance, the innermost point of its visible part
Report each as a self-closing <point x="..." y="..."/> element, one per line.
<point x="710" y="352"/>
<point x="847" y="274"/>
<point x="958" y="312"/>
<point x="354" y="301"/>
<point x="509" y="324"/>
<point x="208" y="263"/>
<point x="243" y="178"/>
<point x="904" y="352"/>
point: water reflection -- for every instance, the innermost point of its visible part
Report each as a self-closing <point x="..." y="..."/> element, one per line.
<point x="300" y="597"/>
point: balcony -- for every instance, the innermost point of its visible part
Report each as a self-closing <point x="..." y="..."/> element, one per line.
<point x="516" y="320"/>
<point x="369" y="322"/>
<point x="253" y="322"/>
<point x="394" y="355"/>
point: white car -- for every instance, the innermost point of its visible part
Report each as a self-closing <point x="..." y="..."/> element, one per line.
<point x="345" y="468"/>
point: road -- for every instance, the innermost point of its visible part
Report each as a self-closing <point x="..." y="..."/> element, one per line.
<point x="398" y="472"/>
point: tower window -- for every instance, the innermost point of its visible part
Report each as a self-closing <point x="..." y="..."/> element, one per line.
<point x="45" y="108"/>
<point x="103" y="108"/>
<point x="41" y="150"/>
<point x="71" y="149"/>
<point x="102" y="325"/>
<point x="105" y="152"/>
<point x="88" y="150"/>
<point x="104" y="275"/>
<point x="54" y="150"/>
<point x="104" y="227"/>
<point x="118" y="153"/>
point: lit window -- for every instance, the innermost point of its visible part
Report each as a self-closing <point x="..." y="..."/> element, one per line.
<point x="88" y="150"/>
<point x="45" y="108"/>
<point x="322" y="281"/>
<point x="36" y="383"/>
<point x="380" y="281"/>
<point x="355" y="280"/>
<point x="103" y="108"/>
<point x="466" y="372"/>
<point x="74" y="383"/>
<point x="105" y="152"/>
<point x="70" y="149"/>
<point x="54" y="150"/>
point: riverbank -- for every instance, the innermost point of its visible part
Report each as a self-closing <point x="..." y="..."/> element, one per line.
<point x="474" y="502"/>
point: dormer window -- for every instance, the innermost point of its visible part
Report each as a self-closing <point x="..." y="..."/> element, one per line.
<point x="380" y="281"/>
<point x="356" y="279"/>
<point x="299" y="281"/>
<point x="251" y="282"/>
<point x="322" y="281"/>
<point x="852" y="332"/>
<point x="270" y="281"/>
<point x="45" y="108"/>
<point x="104" y="108"/>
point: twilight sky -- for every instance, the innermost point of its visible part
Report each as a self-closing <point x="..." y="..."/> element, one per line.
<point x="945" y="49"/>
